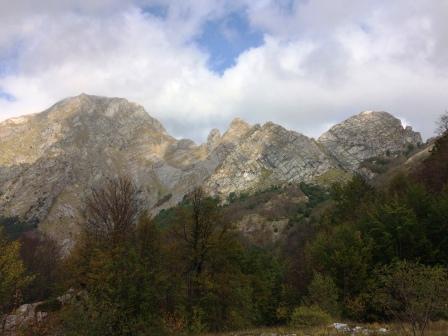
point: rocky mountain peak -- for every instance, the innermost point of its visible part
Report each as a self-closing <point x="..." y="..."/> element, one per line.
<point x="367" y="135"/>
<point x="238" y="123"/>
<point x="97" y="109"/>
<point x="237" y="128"/>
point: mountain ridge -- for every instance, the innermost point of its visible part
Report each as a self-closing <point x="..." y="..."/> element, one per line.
<point x="51" y="159"/>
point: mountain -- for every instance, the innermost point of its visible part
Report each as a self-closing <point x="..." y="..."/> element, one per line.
<point x="50" y="161"/>
<point x="268" y="155"/>
<point x="368" y="135"/>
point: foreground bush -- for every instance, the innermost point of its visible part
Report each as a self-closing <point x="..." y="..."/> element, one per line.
<point x="413" y="294"/>
<point x="309" y="317"/>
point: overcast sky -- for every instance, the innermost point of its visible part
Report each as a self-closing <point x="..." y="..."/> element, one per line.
<point x="197" y="64"/>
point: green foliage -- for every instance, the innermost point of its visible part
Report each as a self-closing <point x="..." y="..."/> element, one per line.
<point x="434" y="171"/>
<point x="14" y="227"/>
<point x="312" y="316"/>
<point x="232" y="197"/>
<point x="122" y="285"/>
<point x="345" y="256"/>
<point x="396" y="232"/>
<point x="315" y="193"/>
<point x="323" y="293"/>
<point x="266" y="276"/>
<point x="413" y="293"/>
<point x="194" y="275"/>
<point x="42" y="257"/>
<point x="13" y="278"/>
<point x="350" y="196"/>
<point x="189" y="271"/>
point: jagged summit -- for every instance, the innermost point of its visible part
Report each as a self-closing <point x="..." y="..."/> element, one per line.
<point x="237" y="128"/>
<point x="213" y="139"/>
<point x="238" y="123"/>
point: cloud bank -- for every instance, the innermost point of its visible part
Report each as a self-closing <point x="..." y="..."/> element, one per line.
<point x="303" y="64"/>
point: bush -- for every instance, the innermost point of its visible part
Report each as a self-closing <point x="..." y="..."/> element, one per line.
<point x="312" y="316"/>
<point x="413" y="294"/>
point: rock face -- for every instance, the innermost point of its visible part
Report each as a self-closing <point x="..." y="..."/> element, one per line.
<point x="267" y="155"/>
<point x="368" y="135"/>
<point x="50" y="161"/>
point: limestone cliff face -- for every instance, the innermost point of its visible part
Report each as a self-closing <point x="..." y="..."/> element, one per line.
<point x="368" y="135"/>
<point x="50" y="161"/>
<point x="268" y="155"/>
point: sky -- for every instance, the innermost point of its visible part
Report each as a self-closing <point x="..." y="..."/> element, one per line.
<point x="197" y="64"/>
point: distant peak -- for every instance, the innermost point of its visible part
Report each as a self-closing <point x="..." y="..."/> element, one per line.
<point x="237" y="128"/>
<point x="214" y="134"/>
<point x="375" y="114"/>
<point x="238" y="123"/>
<point x="92" y="107"/>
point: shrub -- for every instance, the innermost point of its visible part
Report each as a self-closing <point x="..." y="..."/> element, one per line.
<point x="312" y="316"/>
<point x="413" y="294"/>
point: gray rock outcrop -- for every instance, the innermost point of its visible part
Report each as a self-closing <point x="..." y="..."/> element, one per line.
<point x="368" y="135"/>
<point x="268" y="155"/>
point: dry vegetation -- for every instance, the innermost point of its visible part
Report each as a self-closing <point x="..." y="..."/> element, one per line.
<point x="435" y="329"/>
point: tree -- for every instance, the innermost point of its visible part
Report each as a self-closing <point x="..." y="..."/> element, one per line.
<point x="413" y="293"/>
<point x="41" y="256"/>
<point x="198" y="232"/>
<point x="122" y="284"/>
<point x="210" y="259"/>
<point x="12" y="275"/>
<point x="116" y="264"/>
<point x="434" y="170"/>
<point x="112" y="210"/>
<point x="345" y="255"/>
<point x="323" y="292"/>
<point x="350" y="196"/>
<point x="396" y="232"/>
<point x="442" y="124"/>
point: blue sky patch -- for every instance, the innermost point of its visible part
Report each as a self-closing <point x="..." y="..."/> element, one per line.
<point x="286" y="6"/>
<point x="226" y="38"/>
<point x="6" y="96"/>
<point x="159" y="11"/>
<point x="9" y="59"/>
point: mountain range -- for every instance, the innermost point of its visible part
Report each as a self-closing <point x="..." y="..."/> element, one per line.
<point x="50" y="160"/>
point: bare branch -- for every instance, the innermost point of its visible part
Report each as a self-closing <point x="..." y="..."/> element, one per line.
<point x="112" y="209"/>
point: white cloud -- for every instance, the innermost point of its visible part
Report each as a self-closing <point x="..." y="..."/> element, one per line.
<point x="320" y="63"/>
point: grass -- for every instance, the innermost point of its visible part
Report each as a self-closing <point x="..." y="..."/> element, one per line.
<point x="435" y="329"/>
